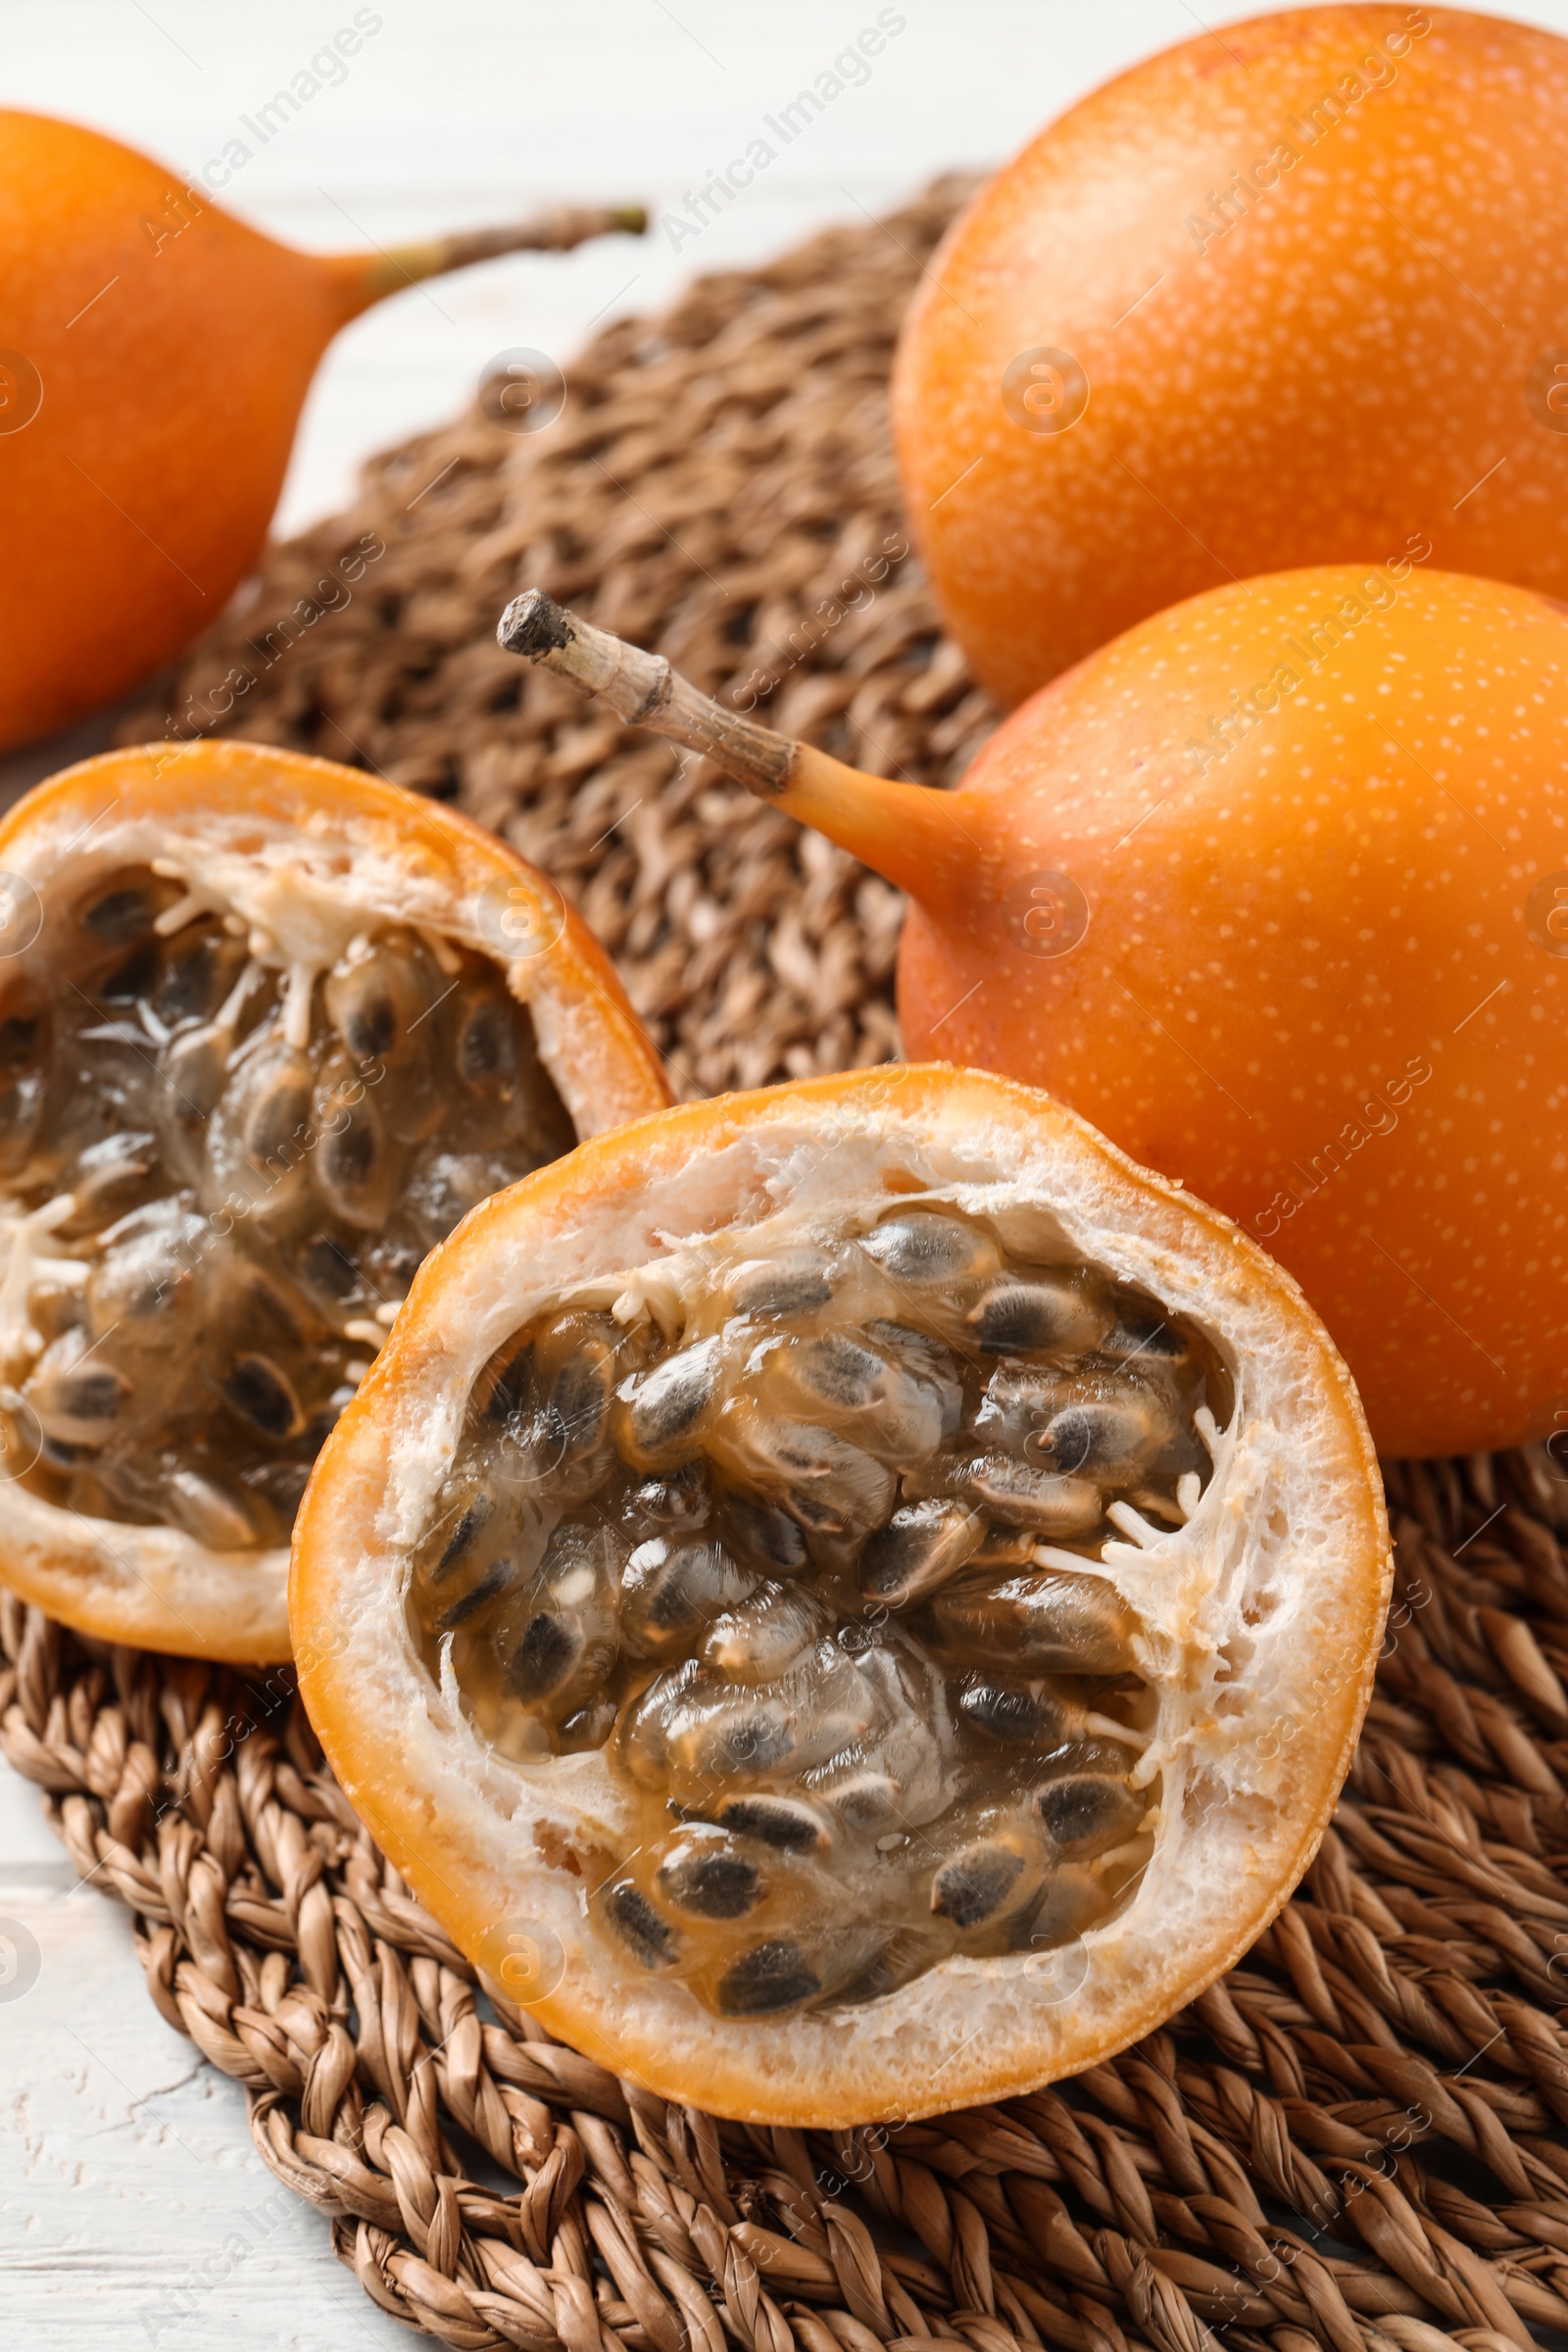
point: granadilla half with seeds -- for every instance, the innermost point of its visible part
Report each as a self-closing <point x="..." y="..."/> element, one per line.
<point x="850" y="1599"/>
<point x="267" y="1029"/>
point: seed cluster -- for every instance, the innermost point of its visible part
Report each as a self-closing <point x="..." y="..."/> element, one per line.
<point x="220" y="1221"/>
<point x="769" y="1540"/>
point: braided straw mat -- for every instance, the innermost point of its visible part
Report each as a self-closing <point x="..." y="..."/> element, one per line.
<point x="1356" y="2139"/>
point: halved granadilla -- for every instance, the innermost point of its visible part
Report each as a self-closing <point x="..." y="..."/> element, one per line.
<point x="851" y="1599"/>
<point x="267" y="1029"/>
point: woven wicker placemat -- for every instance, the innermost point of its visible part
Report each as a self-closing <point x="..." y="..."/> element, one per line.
<point x="1357" y="2138"/>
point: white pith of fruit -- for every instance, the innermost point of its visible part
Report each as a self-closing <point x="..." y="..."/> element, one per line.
<point x="1261" y="1614"/>
<point x="302" y="892"/>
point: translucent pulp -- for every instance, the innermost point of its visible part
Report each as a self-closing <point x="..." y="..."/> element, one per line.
<point x="217" y="1194"/>
<point x="793" y="1540"/>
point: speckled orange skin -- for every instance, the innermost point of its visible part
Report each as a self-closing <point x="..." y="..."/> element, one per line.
<point x="138" y="496"/>
<point x="1309" y="986"/>
<point x="1336" y="370"/>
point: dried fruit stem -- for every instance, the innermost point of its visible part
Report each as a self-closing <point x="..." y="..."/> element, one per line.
<point x="905" y="832"/>
<point x="371" y="277"/>
<point x="642" y="688"/>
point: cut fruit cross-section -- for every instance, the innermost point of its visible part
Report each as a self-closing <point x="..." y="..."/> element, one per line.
<point x="851" y="1599"/>
<point x="267" y="1029"/>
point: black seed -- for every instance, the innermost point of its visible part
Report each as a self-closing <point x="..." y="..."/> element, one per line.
<point x="579" y="1401"/>
<point x="260" y="1392"/>
<point x="1140" y="1329"/>
<point x="926" y="1248"/>
<point x="119" y="915"/>
<point x="790" y="1284"/>
<point x="1069" y="1440"/>
<point x="837" y="1369"/>
<point x="761" y="1533"/>
<point x="279" y="1111"/>
<point x="349" y="1157"/>
<point x="1110" y="1438"/>
<point x="769" y="1977"/>
<point x="494" y="1580"/>
<point x="973" y="1886"/>
<point x="669" y="1399"/>
<point x="487" y="1043"/>
<point x="668" y="1602"/>
<point x="510" y="1387"/>
<point x="326" y="1264"/>
<point x="371" y="1026"/>
<point x="1024" y="1318"/>
<point x="713" y="1886"/>
<point x="92" y="1395"/>
<point x="1012" y="1711"/>
<point x="779" y="1821"/>
<point x="547" y="1653"/>
<point x="651" y="1939"/>
<point x="697" y="1582"/>
<point x="922" y="1544"/>
<point x="1037" y="1621"/>
<point x="1086" y="1812"/>
<point x="462" y="1535"/>
<point x="689" y="1587"/>
<point x="187" y="987"/>
<point x="19" y="1037"/>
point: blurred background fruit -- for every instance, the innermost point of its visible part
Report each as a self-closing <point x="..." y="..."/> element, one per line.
<point x="1282" y="295"/>
<point x="157" y="355"/>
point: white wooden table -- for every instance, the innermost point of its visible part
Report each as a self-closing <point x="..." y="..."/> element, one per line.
<point x="134" y="2209"/>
